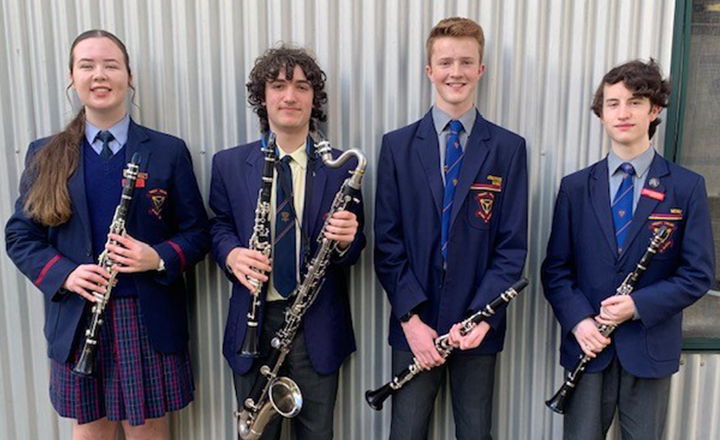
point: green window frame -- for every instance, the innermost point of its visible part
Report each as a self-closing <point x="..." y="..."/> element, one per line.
<point x="679" y="72"/>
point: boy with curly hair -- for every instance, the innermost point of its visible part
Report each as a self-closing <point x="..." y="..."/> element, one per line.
<point x="287" y="91"/>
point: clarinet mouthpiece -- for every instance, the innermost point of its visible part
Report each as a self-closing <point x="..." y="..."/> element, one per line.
<point x="520" y="285"/>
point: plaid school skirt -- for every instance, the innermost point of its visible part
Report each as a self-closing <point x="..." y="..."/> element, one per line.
<point x="131" y="380"/>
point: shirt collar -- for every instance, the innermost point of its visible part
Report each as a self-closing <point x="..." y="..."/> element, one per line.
<point x="119" y="130"/>
<point x="300" y="156"/>
<point x="442" y="119"/>
<point x="640" y="163"/>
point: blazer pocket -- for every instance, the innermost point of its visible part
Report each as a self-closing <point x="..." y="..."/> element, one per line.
<point x="155" y="201"/>
<point x="669" y="249"/>
<point x="481" y="207"/>
<point x="664" y="341"/>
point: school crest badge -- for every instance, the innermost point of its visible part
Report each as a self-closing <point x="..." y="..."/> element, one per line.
<point x="484" y="209"/>
<point x="655" y="226"/>
<point x="157" y="198"/>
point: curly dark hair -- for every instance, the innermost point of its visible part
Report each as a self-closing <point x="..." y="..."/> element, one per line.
<point x="643" y="79"/>
<point x="267" y="68"/>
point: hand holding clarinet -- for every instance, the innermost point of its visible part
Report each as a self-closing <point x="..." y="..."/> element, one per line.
<point x="615" y="310"/>
<point x="445" y="344"/>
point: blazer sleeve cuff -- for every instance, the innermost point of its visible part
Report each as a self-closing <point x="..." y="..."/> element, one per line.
<point x="52" y="277"/>
<point x="175" y="261"/>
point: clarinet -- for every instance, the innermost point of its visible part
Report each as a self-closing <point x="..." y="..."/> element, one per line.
<point x="559" y="401"/>
<point x="376" y="398"/>
<point x="272" y="394"/>
<point x="260" y="241"/>
<point x="84" y="365"/>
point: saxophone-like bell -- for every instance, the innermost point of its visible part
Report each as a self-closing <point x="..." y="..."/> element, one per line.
<point x="285" y="399"/>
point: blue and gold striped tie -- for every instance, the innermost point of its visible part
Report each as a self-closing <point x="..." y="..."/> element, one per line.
<point x="453" y="161"/>
<point x="622" y="206"/>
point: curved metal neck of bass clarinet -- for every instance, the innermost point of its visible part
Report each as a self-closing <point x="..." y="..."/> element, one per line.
<point x="324" y="150"/>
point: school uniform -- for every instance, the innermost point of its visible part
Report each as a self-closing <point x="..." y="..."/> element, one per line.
<point x="142" y="369"/>
<point x="585" y="264"/>
<point x="486" y="246"/>
<point x="326" y="337"/>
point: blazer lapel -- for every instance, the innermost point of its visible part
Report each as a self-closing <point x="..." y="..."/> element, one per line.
<point x="646" y="205"/>
<point x="476" y="151"/>
<point x="78" y="195"/>
<point x="253" y="173"/>
<point x="137" y="143"/>
<point x="600" y="199"/>
<point x="426" y="148"/>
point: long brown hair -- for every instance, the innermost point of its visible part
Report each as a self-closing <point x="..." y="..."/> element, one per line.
<point x="48" y="200"/>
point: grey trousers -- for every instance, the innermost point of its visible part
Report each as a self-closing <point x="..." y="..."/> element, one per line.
<point x="471" y="386"/>
<point x="641" y="403"/>
<point x="319" y="391"/>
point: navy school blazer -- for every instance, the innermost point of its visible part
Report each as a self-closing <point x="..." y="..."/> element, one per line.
<point x="167" y="212"/>
<point x="488" y="231"/>
<point x="583" y="267"/>
<point x="236" y="180"/>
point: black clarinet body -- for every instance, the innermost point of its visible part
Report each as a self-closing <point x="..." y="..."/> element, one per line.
<point x="559" y="401"/>
<point x="260" y="241"/>
<point x="84" y="365"/>
<point x="376" y="398"/>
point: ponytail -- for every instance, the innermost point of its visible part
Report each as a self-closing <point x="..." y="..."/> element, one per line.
<point x="48" y="200"/>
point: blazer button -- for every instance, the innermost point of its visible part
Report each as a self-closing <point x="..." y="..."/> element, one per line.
<point x="88" y="252"/>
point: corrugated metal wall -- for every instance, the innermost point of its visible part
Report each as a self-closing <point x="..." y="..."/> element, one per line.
<point x="191" y="60"/>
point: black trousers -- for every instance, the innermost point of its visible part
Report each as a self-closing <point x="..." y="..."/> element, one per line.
<point x="472" y="378"/>
<point x="319" y="391"/>
<point x="641" y="404"/>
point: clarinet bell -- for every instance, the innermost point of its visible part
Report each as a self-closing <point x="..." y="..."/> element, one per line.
<point x="558" y="401"/>
<point x="84" y="365"/>
<point x="376" y="398"/>
<point x="250" y="343"/>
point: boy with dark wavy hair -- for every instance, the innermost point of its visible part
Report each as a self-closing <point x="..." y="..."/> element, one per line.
<point x="286" y="90"/>
<point x="604" y="218"/>
<point x="268" y="67"/>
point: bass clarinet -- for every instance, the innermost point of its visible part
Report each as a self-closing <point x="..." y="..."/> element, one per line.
<point x="559" y="401"/>
<point x="84" y="365"/>
<point x="260" y="241"/>
<point x="272" y="394"/>
<point x="376" y="398"/>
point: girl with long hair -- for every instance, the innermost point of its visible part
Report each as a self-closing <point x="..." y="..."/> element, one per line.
<point x="68" y="193"/>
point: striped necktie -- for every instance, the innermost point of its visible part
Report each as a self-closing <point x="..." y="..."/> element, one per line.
<point x="453" y="161"/>
<point x="284" y="266"/>
<point x="622" y="205"/>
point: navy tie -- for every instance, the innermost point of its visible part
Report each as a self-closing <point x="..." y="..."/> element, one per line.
<point x="622" y="205"/>
<point x="453" y="161"/>
<point x="284" y="266"/>
<point x="105" y="137"/>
